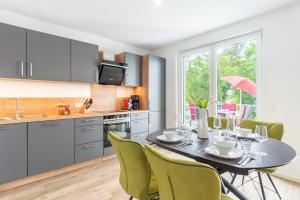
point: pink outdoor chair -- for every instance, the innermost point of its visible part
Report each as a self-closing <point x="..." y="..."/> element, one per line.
<point x="193" y="111"/>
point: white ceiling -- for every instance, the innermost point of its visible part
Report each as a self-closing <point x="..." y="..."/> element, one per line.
<point x="142" y="22"/>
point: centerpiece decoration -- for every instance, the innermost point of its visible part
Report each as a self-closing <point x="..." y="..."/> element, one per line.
<point x="202" y="112"/>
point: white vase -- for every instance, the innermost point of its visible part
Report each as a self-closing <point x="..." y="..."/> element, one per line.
<point x="202" y="123"/>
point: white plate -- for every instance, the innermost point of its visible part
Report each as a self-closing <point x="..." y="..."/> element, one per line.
<point x="163" y="138"/>
<point x="235" y="153"/>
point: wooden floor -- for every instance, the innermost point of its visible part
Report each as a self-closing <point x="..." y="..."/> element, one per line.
<point x="100" y="182"/>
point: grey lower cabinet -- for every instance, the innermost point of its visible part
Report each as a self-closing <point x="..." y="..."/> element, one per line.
<point x="157" y="121"/>
<point x="139" y="127"/>
<point x="12" y="51"/>
<point x="50" y="145"/>
<point x="84" y="62"/>
<point x="88" y="138"/>
<point x="48" y="57"/>
<point x="13" y="152"/>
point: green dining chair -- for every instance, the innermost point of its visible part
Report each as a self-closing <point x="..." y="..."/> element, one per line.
<point x="184" y="180"/>
<point x="136" y="177"/>
<point x="210" y="121"/>
<point x="275" y="131"/>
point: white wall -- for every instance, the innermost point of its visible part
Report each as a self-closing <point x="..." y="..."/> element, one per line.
<point x="280" y="71"/>
<point x="37" y="89"/>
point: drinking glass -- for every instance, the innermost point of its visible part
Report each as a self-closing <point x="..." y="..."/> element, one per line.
<point x="217" y="123"/>
<point x="261" y="132"/>
<point x="229" y="128"/>
<point x="246" y="145"/>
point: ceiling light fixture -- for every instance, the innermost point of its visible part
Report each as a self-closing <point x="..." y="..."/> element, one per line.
<point x="158" y="2"/>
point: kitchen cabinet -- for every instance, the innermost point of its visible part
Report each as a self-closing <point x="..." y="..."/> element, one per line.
<point x="84" y="62"/>
<point x="88" y="138"/>
<point x="88" y="151"/>
<point x="157" y="121"/>
<point x="50" y="145"/>
<point x="139" y="127"/>
<point x="13" y="152"/>
<point x="48" y="57"/>
<point x="140" y="138"/>
<point x="12" y="51"/>
<point x="133" y="74"/>
<point x="156" y="92"/>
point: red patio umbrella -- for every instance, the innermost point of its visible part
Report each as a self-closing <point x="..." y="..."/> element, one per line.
<point x="243" y="84"/>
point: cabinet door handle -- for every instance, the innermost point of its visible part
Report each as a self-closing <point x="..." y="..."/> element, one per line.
<point x="89" y="120"/>
<point x="88" y="129"/>
<point x="51" y="124"/>
<point x="89" y="146"/>
<point x="3" y="128"/>
<point x="22" y="69"/>
<point x="30" y="69"/>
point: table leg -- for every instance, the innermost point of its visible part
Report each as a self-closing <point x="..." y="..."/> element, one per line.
<point x="234" y="191"/>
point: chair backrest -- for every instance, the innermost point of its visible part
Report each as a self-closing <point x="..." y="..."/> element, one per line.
<point x="181" y="179"/>
<point x="275" y="129"/>
<point x="246" y="112"/>
<point x="229" y="106"/>
<point x="135" y="172"/>
<point x="210" y="121"/>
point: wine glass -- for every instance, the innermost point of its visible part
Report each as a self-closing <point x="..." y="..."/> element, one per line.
<point x="230" y="127"/>
<point x="261" y="132"/>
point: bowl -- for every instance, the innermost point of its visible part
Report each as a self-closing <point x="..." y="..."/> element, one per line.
<point x="224" y="146"/>
<point x="244" y="132"/>
<point x="170" y="135"/>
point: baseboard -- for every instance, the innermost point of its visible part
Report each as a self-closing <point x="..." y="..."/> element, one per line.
<point x="287" y="177"/>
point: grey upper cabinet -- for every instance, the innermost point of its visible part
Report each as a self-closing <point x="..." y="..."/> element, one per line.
<point x="133" y="74"/>
<point x="48" y="57"/>
<point x="12" y="51"/>
<point x="13" y="152"/>
<point x="84" y="62"/>
<point x="156" y="83"/>
<point x="50" y="145"/>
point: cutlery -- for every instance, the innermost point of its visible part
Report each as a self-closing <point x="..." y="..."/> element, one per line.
<point x="242" y="160"/>
<point x="248" y="159"/>
<point x="184" y="144"/>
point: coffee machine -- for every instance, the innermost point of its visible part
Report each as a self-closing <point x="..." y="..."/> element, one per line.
<point x="135" y="100"/>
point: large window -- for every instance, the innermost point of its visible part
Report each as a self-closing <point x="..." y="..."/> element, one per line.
<point x="225" y="73"/>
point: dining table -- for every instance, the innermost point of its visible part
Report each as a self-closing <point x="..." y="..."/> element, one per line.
<point x="275" y="154"/>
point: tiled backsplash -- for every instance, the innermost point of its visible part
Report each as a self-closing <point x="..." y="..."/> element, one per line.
<point x="105" y="97"/>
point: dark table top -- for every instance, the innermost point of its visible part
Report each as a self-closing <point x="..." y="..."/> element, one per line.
<point x="278" y="154"/>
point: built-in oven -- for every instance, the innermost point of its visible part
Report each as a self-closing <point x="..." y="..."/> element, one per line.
<point x="118" y="124"/>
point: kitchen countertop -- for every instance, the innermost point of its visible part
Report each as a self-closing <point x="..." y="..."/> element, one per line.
<point x="37" y="118"/>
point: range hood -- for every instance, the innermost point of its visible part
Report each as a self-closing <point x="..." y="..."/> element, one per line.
<point x="111" y="73"/>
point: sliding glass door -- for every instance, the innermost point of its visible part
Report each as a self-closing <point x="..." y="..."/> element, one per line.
<point x="225" y="73"/>
<point x="196" y="81"/>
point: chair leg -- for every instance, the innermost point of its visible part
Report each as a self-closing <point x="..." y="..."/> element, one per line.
<point x="131" y="197"/>
<point x="261" y="186"/>
<point x="270" y="178"/>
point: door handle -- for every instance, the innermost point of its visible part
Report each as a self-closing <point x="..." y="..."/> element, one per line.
<point x="30" y="69"/>
<point x="22" y="68"/>
<point x="4" y="129"/>
<point x="89" y="120"/>
<point x="88" y="129"/>
<point x="51" y="124"/>
<point x="89" y="146"/>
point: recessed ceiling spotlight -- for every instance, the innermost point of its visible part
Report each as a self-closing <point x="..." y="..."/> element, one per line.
<point x="158" y="2"/>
